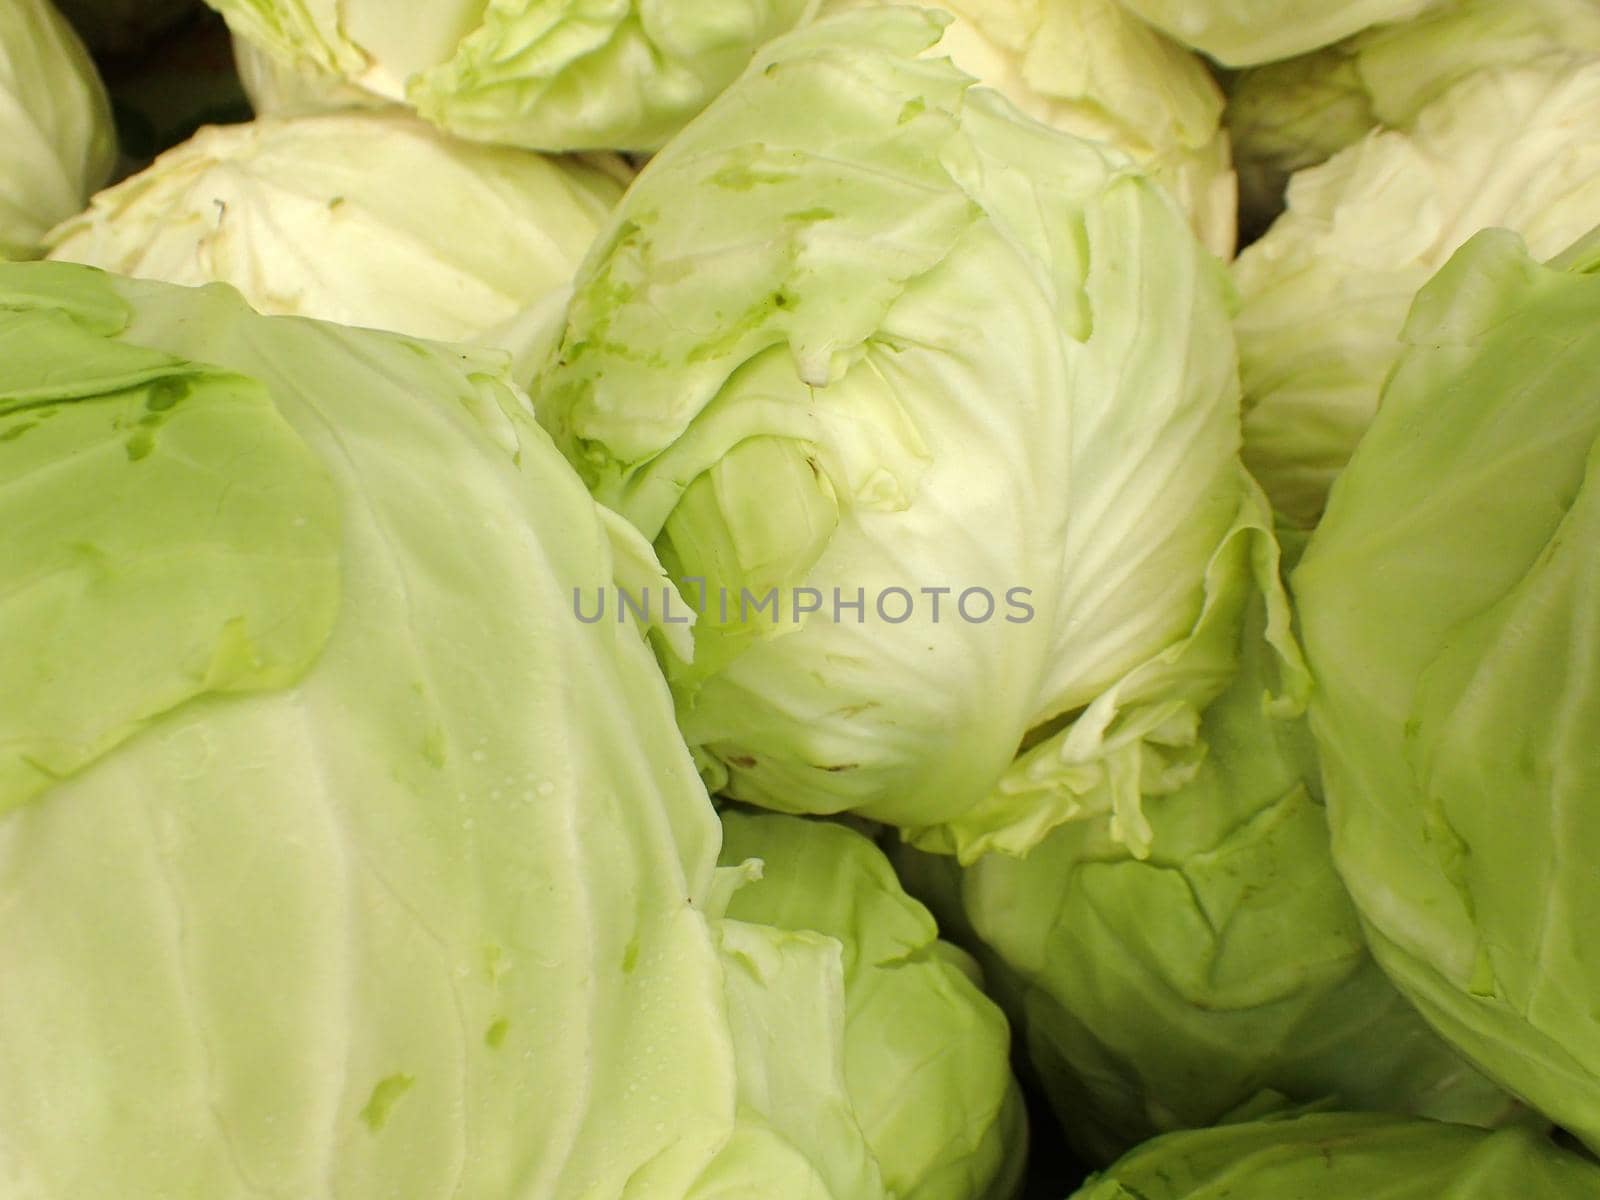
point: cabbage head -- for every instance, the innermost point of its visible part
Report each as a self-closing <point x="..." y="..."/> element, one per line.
<point x="926" y="1052"/>
<point x="1324" y="294"/>
<point x="1451" y="607"/>
<point x="1225" y="972"/>
<point x="932" y="413"/>
<point x="336" y="857"/>
<point x="1090" y="68"/>
<point x="354" y="217"/>
<point x="56" y="141"/>
<point x="1347" y="1156"/>
<point x="1240" y="33"/>
<point x="1293" y="114"/>
<point x="540" y="74"/>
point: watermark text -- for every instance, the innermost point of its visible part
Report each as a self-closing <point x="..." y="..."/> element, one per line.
<point x="774" y="606"/>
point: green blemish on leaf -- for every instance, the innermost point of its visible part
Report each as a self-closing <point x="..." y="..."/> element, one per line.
<point x="166" y="394"/>
<point x="384" y="1097"/>
<point x="335" y="203"/>
<point x="434" y="748"/>
<point x="740" y="327"/>
<point x="630" y="957"/>
<point x="88" y="555"/>
<point x="912" y="109"/>
<point x="809" y="215"/>
<point x="494" y="1037"/>
<point x="626" y="233"/>
<point x="141" y="444"/>
<point x="16" y="431"/>
<point x="740" y="177"/>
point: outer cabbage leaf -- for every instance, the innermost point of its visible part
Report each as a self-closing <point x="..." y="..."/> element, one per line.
<point x="1289" y="115"/>
<point x="356" y="218"/>
<point x="541" y="74"/>
<point x="278" y="89"/>
<point x="234" y="590"/>
<point x="1239" y="33"/>
<point x="1346" y="1156"/>
<point x="1450" y="602"/>
<point x="1090" y="68"/>
<point x="375" y="871"/>
<point x="798" y="1134"/>
<point x="925" y="1050"/>
<point x="1226" y="971"/>
<point x="55" y="125"/>
<point x="860" y="330"/>
<point x="1325" y="292"/>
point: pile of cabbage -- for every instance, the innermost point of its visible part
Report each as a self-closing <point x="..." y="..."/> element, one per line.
<point x="799" y="600"/>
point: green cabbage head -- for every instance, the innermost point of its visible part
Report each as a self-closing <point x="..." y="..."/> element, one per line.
<point x="1347" y="1156"/>
<point x="336" y="857"/>
<point x="1225" y="972"/>
<point x="926" y="1052"/>
<point x="1325" y="293"/>
<point x="56" y="141"/>
<point x="541" y="74"/>
<point x="1293" y="114"/>
<point x="932" y="413"/>
<point x="365" y="218"/>
<point x="1451" y="608"/>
